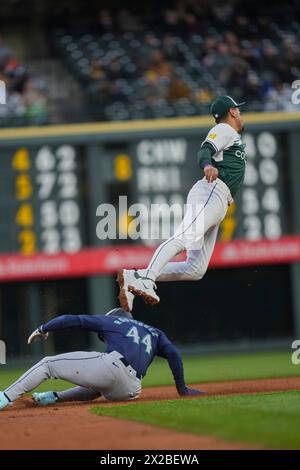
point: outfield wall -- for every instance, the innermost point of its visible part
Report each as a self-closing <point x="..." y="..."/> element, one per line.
<point x="51" y="263"/>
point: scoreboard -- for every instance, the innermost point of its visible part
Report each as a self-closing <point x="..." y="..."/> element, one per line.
<point x="165" y="170"/>
<point x="263" y="201"/>
<point x="41" y="199"/>
<point x="51" y="185"/>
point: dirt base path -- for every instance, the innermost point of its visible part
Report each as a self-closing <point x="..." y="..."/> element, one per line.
<point x="72" y="426"/>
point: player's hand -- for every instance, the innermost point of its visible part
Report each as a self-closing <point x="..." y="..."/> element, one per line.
<point x="37" y="334"/>
<point x="211" y="173"/>
<point x="189" y="392"/>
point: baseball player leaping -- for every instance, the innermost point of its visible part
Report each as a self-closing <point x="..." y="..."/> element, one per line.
<point x="115" y="374"/>
<point x="222" y="159"/>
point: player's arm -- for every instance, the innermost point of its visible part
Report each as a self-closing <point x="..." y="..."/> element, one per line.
<point x="219" y="138"/>
<point x="168" y="351"/>
<point x="205" y="161"/>
<point x="87" y="322"/>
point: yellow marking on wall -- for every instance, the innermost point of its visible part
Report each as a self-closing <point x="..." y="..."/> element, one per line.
<point x="228" y="225"/>
<point x="98" y="128"/>
<point x="122" y="168"/>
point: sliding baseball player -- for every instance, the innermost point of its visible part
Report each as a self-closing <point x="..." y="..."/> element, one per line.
<point x="115" y="374"/>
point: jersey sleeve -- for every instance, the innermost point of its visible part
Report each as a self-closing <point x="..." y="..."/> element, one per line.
<point x="168" y="351"/>
<point x="205" y="154"/>
<point x="220" y="137"/>
<point x="94" y="323"/>
<point x="163" y="342"/>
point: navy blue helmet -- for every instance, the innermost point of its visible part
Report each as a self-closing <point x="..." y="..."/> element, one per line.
<point x="118" y="312"/>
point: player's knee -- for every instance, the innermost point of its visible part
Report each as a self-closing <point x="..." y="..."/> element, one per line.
<point x="195" y="272"/>
<point x="197" y="276"/>
<point x="45" y="364"/>
<point x="46" y="361"/>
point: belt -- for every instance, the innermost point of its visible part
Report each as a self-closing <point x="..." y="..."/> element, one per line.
<point x="126" y="364"/>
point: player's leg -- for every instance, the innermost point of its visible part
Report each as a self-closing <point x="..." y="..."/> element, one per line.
<point x="78" y="394"/>
<point x="199" y="219"/>
<point x="137" y="282"/>
<point x="143" y="280"/>
<point x="196" y="263"/>
<point x="101" y="372"/>
<point x="71" y="394"/>
<point x="81" y="368"/>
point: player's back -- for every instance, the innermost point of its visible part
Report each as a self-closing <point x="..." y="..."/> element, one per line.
<point x="136" y="341"/>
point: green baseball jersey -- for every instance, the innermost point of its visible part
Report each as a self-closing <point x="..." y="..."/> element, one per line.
<point x="229" y="157"/>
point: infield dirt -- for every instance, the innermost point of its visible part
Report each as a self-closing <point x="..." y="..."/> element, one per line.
<point x="71" y="425"/>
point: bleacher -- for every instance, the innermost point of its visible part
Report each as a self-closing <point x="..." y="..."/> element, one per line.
<point x="152" y="62"/>
<point x="167" y="72"/>
<point x="26" y="95"/>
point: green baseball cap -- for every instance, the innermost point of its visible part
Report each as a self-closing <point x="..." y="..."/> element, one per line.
<point x="221" y="105"/>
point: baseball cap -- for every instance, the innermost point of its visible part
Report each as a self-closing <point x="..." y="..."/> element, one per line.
<point x="221" y="105"/>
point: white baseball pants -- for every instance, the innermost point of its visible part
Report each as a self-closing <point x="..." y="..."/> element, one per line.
<point x="207" y="204"/>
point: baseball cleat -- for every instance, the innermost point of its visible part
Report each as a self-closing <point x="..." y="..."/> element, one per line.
<point x="125" y="297"/>
<point x="45" y="398"/>
<point x="4" y="401"/>
<point x="143" y="287"/>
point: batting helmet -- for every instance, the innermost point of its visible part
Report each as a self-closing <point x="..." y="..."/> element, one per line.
<point x="118" y="312"/>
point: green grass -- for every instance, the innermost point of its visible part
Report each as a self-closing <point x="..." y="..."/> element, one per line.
<point x="197" y="369"/>
<point x="225" y="367"/>
<point x="267" y="420"/>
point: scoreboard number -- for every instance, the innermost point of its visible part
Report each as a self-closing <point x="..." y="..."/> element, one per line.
<point x="21" y="160"/>
<point x="46" y="183"/>
<point x="71" y="240"/>
<point x="260" y="196"/>
<point x="23" y="187"/>
<point x="58" y="191"/>
<point x="45" y="160"/>
<point x="47" y="200"/>
<point x="27" y="239"/>
<point x="24" y="218"/>
<point x="66" y="157"/>
<point x="68" y="185"/>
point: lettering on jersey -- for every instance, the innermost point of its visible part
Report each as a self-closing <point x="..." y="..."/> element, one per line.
<point x="240" y="154"/>
<point x="121" y="320"/>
